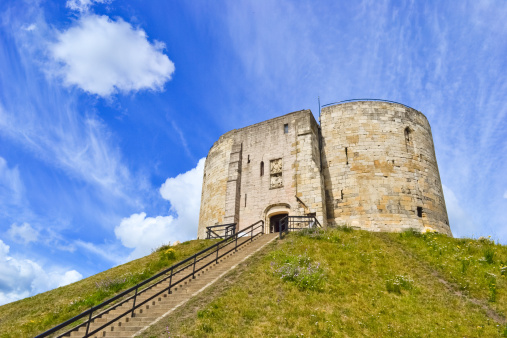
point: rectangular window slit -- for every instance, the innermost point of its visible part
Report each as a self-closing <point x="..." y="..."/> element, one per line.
<point x="286" y="128"/>
<point x="248" y="158"/>
<point x="347" y="155"/>
<point x="419" y="211"/>
<point x="245" y="200"/>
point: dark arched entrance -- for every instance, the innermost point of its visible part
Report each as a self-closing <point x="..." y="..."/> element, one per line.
<point x="274" y="222"/>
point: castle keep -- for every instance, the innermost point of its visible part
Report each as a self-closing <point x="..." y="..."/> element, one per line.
<point x="370" y="164"/>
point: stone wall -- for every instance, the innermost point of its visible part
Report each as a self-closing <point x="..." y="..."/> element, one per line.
<point x="380" y="169"/>
<point x="215" y="184"/>
<point x="288" y="148"/>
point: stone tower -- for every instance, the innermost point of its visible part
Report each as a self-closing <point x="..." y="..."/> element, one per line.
<point x="370" y="164"/>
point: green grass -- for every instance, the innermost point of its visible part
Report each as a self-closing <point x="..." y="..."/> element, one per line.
<point x="356" y="283"/>
<point x="476" y="267"/>
<point x="36" y="314"/>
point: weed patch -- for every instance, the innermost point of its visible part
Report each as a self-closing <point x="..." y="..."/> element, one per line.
<point x="399" y="283"/>
<point x="300" y="270"/>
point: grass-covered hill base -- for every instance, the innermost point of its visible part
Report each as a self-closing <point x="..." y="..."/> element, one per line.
<point x="344" y="283"/>
<point x="34" y="315"/>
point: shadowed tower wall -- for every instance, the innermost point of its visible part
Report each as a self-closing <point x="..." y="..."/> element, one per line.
<point x="380" y="169"/>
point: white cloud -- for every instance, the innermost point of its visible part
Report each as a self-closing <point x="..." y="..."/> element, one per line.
<point x="83" y="5"/>
<point x="20" y="278"/>
<point x="23" y="233"/>
<point x="184" y="193"/>
<point x="143" y="233"/>
<point x="102" y="56"/>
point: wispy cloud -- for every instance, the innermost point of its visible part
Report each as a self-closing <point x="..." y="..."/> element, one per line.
<point x="24" y="233"/>
<point x="38" y="114"/>
<point x="83" y="6"/>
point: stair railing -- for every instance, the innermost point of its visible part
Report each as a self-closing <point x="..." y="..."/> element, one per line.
<point x="220" y="231"/>
<point x="296" y="223"/>
<point x="172" y="276"/>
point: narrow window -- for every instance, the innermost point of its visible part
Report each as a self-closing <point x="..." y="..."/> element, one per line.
<point x="286" y="128"/>
<point x="407" y="134"/>
<point x="347" y="155"/>
<point x="245" y="200"/>
<point x="341" y="193"/>
<point x="262" y="168"/>
<point x="408" y="138"/>
<point x="248" y="158"/>
<point x="419" y="211"/>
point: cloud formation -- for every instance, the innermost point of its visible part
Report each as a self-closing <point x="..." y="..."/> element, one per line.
<point x="83" y="5"/>
<point x="23" y="233"/>
<point x="143" y="233"/>
<point x="21" y="278"/>
<point x="102" y="56"/>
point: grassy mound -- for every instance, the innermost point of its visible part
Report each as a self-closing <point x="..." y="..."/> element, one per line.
<point x="341" y="282"/>
<point x="33" y="315"/>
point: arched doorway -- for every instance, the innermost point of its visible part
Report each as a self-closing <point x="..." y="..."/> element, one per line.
<point x="273" y="214"/>
<point x="274" y="222"/>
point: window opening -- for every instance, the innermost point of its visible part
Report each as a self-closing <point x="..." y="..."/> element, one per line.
<point x="341" y="193"/>
<point x="248" y="158"/>
<point x="245" y="200"/>
<point x="407" y="134"/>
<point x="347" y="155"/>
<point x="262" y="168"/>
<point x="419" y="211"/>
<point x="286" y="128"/>
<point x="408" y="138"/>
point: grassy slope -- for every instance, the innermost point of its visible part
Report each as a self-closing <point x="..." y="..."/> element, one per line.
<point x="359" y="267"/>
<point x="36" y="314"/>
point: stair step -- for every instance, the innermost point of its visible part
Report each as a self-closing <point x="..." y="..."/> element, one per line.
<point x="161" y="304"/>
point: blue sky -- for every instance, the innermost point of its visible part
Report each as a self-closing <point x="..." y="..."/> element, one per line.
<point x="107" y="109"/>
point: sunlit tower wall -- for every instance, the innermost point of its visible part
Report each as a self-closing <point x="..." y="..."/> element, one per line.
<point x="380" y="169"/>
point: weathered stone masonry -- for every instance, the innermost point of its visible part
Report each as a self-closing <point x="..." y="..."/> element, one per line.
<point x="378" y="172"/>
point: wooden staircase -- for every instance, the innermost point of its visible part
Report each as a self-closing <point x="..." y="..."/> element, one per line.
<point x="156" y="309"/>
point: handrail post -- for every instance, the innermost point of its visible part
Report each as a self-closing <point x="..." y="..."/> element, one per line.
<point x="193" y="271"/>
<point x="89" y="320"/>
<point x="170" y="281"/>
<point x="134" y="304"/>
<point x="216" y="260"/>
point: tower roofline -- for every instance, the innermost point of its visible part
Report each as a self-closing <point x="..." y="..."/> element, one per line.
<point x="359" y="100"/>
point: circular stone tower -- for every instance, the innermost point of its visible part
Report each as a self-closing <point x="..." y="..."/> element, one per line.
<point x="380" y="169"/>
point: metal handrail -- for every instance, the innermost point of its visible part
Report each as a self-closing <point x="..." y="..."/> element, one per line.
<point x="228" y="229"/>
<point x="285" y="223"/>
<point x="357" y="100"/>
<point x="179" y="267"/>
